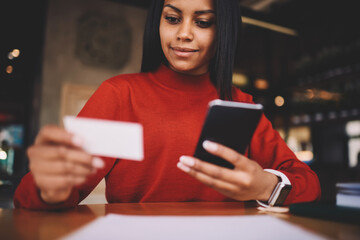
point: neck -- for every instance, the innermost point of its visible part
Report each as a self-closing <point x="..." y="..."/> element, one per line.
<point x="182" y="81"/>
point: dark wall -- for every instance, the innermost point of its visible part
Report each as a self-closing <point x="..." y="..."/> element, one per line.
<point x="22" y="27"/>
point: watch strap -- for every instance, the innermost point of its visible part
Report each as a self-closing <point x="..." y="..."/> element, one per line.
<point x="280" y="191"/>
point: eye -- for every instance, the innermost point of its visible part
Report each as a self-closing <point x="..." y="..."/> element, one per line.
<point x="172" y="20"/>
<point x="204" y="24"/>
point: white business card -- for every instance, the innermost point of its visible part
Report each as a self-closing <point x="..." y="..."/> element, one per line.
<point x="108" y="138"/>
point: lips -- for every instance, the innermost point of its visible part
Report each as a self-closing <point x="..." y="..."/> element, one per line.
<point x="183" y="52"/>
<point x="180" y="49"/>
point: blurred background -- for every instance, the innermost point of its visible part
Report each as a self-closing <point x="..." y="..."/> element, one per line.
<point x="299" y="58"/>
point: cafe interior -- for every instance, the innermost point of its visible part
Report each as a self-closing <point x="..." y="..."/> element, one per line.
<point x="298" y="58"/>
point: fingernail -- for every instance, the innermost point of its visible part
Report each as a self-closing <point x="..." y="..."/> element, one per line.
<point x="211" y="146"/>
<point x="183" y="167"/>
<point x="98" y="162"/>
<point x="78" y="141"/>
<point x="187" y="161"/>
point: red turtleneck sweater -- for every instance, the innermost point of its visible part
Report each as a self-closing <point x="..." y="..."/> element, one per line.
<point x="171" y="107"/>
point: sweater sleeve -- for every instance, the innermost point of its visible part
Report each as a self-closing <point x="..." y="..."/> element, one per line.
<point x="270" y="151"/>
<point x="102" y="104"/>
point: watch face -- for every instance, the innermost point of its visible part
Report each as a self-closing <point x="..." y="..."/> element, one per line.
<point x="285" y="190"/>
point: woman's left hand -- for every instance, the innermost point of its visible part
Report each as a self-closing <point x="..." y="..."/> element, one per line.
<point x="247" y="181"/>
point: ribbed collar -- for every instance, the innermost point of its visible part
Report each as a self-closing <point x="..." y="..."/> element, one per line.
<point x="182" y="82"/>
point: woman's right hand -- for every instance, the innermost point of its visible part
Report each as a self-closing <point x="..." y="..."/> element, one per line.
<point x="58" y="163"/>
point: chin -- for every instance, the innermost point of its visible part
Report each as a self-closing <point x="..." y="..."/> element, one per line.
<point x="186" y="68"/>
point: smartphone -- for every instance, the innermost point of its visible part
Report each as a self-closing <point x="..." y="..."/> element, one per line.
<point x="231" y="124"/>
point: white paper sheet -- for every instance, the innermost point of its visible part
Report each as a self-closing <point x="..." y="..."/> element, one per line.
<point x="191" y="227"/>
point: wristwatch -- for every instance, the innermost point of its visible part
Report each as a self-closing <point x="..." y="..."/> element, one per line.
<point x="280" y="192"/>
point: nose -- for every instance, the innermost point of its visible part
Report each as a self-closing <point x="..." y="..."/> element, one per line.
<point x="185" y="32"/>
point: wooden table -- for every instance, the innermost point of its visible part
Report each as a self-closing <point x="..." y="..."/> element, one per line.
<point x="24" y="224"/>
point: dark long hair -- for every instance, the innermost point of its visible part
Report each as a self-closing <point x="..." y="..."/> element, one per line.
<point x="228" y="20"/>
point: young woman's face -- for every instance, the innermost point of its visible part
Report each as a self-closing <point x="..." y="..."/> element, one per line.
<point x="187" y="33"/>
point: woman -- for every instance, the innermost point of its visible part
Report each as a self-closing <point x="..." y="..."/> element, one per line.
<point x="189" y="48"/>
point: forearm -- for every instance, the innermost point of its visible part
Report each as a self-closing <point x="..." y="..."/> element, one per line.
<point x="28" y="196"/>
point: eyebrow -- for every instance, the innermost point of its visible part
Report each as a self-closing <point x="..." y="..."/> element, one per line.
<point x="196" y="12"/>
